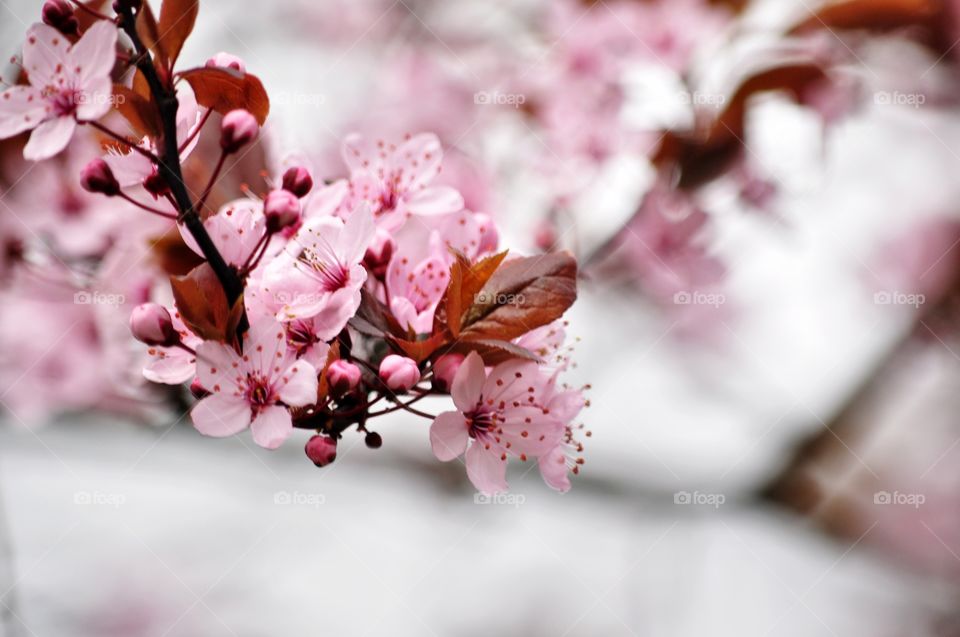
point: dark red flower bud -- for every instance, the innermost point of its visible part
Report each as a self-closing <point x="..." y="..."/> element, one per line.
<point x="97" y="177"/>
<point x="322" y="450"/>
<point x="373" y="440"/>
<point x="379" y="253"/>
<point x="298" y="181"/>
<point x="59" y="15"/>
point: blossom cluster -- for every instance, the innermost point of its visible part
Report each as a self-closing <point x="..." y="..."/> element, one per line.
<point x="306" y="303"/>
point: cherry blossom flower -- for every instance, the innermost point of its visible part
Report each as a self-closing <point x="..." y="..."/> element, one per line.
<point x="236" y="230"/>
<point x="393" y="180"/>
<point x="503" y="413"/>
<point x="252" y="389"/>
<point x="68" y="83"/>
<point x="319" y="274"/>
<point x="415" y="290"/>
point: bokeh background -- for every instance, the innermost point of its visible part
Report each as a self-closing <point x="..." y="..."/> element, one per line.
<point x="764" y="196"/>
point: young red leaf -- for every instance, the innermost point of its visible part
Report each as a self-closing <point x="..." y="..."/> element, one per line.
<point x="877" y="15"/>
<point x="203" y="305"/>
<point x="374" y="319"/>
<point x="493" y="351"/>
<point x="224" y="90"/>
<point x="139" y="112"/>
<point x="522" y="295"/>
<point x="466" y="280"/>
<point x="177" y="18"/>
<point x="149" y="32"/>
<point x="419" y="350"/>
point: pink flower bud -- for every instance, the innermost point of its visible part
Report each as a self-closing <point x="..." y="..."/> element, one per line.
<point x="342" y="377"/>
<point x="59" y="15"/>
<point x="282" y="209"/>
<point x="399" y="372"/>
<point x="150" y="323"/>
<point x="97" y="177"/>
<point x="445" y="369"/>
<point x="379" y="253"/>
<point x="545" y="236"/>
<point x="227" y="61"/>
<point x="238" y="128"/>
<point x="322" y="450"/>
<point x="155" y="184"/>
<point x="489" y="235"/>
<point x="298" y="181"/>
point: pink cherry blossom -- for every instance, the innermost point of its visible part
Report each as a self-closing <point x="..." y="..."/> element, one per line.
<point x="319" y="273"/>
<point x="415" y="290"/>
<point x="236" y="230"/>
<point x="252" y="389"/>
<point x="395" y="180"/>
<point x="503" y="413"/>
<point x="67" y="84"/>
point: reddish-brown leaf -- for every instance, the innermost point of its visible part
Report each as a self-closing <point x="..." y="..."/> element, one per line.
<point x="172" y="255"/>
<point x="419" y="350"/>
<point x="706" y="153"/>
<point x="224" y="90"/>
<point x="203" y="305"/>
<point x="374" y="319"/>
<point x="466" y="280"/>
<point x="323" y="387"/>
<point x="875" y="15"/>
<point x="522" y="295"/>
<point x="149" y="32"/>
<point x="493" y="351"/>
<point x="177" y="18"/>
<point x="139" y="111"/>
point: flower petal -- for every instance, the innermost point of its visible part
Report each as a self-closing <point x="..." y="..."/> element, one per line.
<point x="94" y="55"/>
<point x="271" y="427"/>
<point x="44" y="54"/>
<point x="486" y="468"/>
<point x="95" y="100"/>
<point x="449" y="435"/>
<point x="298" y="385"/>
<point x="220" y="415"/>
<point x="553" y="469"/>
<point x="438" y="200"/>
<point x="468" y="383"/>
<point x="419" y="160"/>
<point x="217" y="366"/>
<point x="21" y="108"/>
<point x="49" y="138"/>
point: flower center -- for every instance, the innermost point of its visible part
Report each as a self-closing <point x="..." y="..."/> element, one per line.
<point x="259" y="391"/>
<point x="64" y="101"/>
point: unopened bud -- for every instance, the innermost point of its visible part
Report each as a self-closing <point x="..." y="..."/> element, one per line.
<point x="342" y="377"/>
<point x="298" y="181"/>
<point x="238" y="128"/>
<point x="59" y="15"/>
<point x="322" y="450"/>
<point x="373" y="440"/>
<point x="379" y="253"/>
<point x="151" y="323"/>
<point x="198" y="390"/>
<point x="227" y="61"/>
<point x="399" y="372"/>
<point x="445" y="369"/>
<point x="97" y="177"/>
<point x="282" y="209"/>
